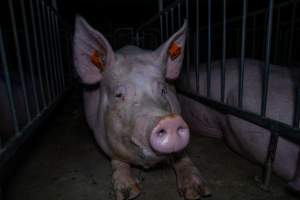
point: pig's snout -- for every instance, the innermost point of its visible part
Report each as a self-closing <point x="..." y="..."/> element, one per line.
<point x="171" y="134"/>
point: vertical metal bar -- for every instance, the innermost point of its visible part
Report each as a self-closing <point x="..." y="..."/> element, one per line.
<point x="290" y="54"/>
<point x="19" y="59"/>
<point x="37" y="53"/>
<point x="67" y="42"/>
<point x="160" y="6"/>
<point x="8" y="84"/>
<point x="242" y="60"/>
<point x="187" y="38"/>
<point x="58" y="78"/>
<point x="197" y="48"/>
<point x="57" y="37"/>
<point x="208" y="77"/>
<point x="297" y="107"/>
<point x="172" y="20"/>
<point x="267" y="59"/>
<point x="267" y="172"/>
<point x="253" y="36"/>
<point x="143" y="39"/>
<point x="223" y="54"/>
<point x="48" y="48"/>
<point x="45" y="64"/>
<point x="167" y="25"/>
<point x="60" y="50"/>
<point x="28" y="49"/>
<point x="137" y="36"/>
<point x="277" y="36"/>
<point x="285" y="38"/>
<point x="179" y="14"/>
<point x="52" y="49"/>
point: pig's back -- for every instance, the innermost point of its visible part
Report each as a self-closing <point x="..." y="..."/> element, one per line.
<point x="280" y="93"/>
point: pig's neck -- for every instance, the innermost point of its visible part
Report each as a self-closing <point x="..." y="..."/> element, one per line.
<point x="94" y="116"/>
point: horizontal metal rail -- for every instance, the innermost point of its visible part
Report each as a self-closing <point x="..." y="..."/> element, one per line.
<point x="282" y="129"/>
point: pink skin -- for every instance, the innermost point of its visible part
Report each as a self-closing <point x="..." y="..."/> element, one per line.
<point x="134" y="113"/>
<point x="170" y="135"/>
<point x="247" y="139"/>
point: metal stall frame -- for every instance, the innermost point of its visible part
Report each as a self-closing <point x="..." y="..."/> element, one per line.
<point x="277" y="128"/>
<point x="48" y="67"/>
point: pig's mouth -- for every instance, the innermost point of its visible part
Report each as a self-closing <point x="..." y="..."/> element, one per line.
<point x="149" y="157"/>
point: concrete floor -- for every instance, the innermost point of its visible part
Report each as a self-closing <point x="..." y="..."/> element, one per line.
<point x="66" y="164"/>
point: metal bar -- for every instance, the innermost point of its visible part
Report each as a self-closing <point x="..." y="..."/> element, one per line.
<point x="197" y="48"/>
<point x="251" y="14"/>
<point x="155" y="17"/>
<point x="49" y="56"/>
<point x="60" y="51"/>
<point x="8" y="84"/>
<point x="253" y="37"/>
<point x="137" y="36"/>
<point x="16" y="142"/>
<point x="45" y="64"/>
<point x="67" y="40"/>
<point x="28" y="48"/>
<point x="37" y="53"/>
<point x="284" y="130"/>
<point x="242" y="60"/>
<point x="52" y="48"/>
<point x="19" y="59"/>
<point x="172" y="20"/>
<point x="290" y="54"/>
<point x="208" y="77"/>
<point x="161" y="7"/>
<point x="187" y="38"/>
<point x="268" y="166"/>
<point x="223" y="53"/>
<point x="58" y="78"/>
<point x="277" y="37"/>
<point x="143" y="38"/>
<point x="167" y="25"/>
<point x="297" y="108"/>
<point x="267" y="60"/>
<point x="179" y="14"/>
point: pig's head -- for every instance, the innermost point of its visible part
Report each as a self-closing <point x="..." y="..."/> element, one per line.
<point x="138" y="107"/>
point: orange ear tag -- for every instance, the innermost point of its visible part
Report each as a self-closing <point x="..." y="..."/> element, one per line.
<point x="174" y="51"/>
<point x="97" y="60"/>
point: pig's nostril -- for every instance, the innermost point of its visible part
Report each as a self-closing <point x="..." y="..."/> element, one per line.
<point x="181" y="131"/>
<point x="161" y="133"/>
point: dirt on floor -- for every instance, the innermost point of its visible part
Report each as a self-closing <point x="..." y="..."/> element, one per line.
<point x="66" y="164"/>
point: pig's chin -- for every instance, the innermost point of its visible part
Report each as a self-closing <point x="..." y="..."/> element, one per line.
<point x="147" y="157"/>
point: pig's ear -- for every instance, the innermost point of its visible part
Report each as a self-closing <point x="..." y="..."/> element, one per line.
<point x="92" y="52"/>
<point x="171" y="53"/>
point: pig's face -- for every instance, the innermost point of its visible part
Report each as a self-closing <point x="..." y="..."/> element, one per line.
<point x="138" y="98"/>
<point x="140" y="109"/>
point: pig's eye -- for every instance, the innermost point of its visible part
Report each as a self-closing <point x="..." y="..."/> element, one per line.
<point x="119" y="92"/>
<point x="118" y="95"/>
<point x="164" y="91"/>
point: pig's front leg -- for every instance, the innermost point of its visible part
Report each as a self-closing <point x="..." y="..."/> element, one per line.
<point x="125" y="186"/>
<point x="190" y="183"/>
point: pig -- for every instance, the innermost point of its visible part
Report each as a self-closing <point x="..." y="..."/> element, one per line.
<point x="248" y="139"/>
<point x="132" y="108"/>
